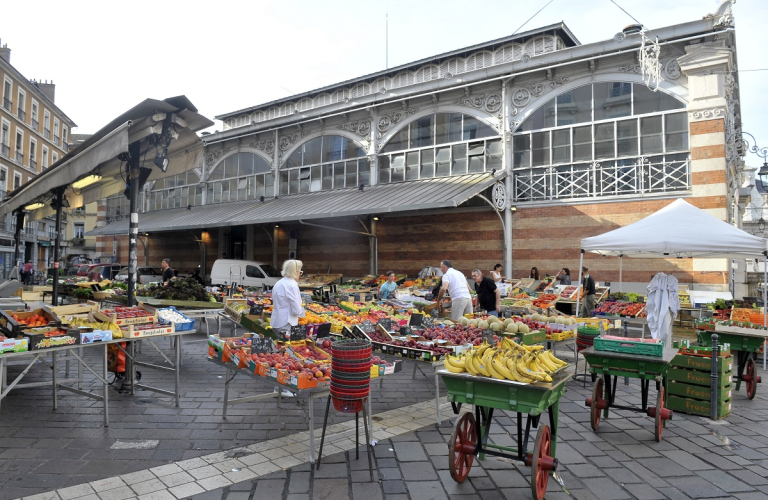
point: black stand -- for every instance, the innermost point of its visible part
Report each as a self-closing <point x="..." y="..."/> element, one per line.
<point x="357" y="434"/>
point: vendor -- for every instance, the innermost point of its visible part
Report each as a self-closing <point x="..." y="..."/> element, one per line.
<point x="488" y="294"/>
<point x="588" y="284"/>
<point x="168" y="274"/>
<point x="564" y="276"/>
<point x="286" y="297"/>
<point x="496" y="273"/>
<point x="534" y="274"/>
<point x="387" y="290"/>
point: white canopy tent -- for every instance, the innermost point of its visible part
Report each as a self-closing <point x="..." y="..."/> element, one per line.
<point x="679" y="230"/>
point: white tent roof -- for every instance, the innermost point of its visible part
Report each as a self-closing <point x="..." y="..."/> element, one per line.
<point x="677" y="230"/>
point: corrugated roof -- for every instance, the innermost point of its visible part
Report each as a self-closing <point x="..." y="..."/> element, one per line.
<point x="441" y="192"/>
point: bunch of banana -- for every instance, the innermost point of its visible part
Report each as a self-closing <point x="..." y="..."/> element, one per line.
<point x="455" y="364"/>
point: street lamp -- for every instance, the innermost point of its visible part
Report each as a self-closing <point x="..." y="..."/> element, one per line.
<point x="744" y="145"/>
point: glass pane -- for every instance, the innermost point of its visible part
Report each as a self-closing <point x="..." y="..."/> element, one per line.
<point x="422" y="132"/>
<point x="338" y="176"/>
<point x="398" y="142"/>
<point x="269" y="184"/>
<point x="363" y="171"/>
<point x="312" y="151"/>
<point x="475" y="129"/>
<point x="224" y="191"/>
<point x="493" y="155"/>
<point x="650" y="134"/>
<point x="412" y="165"/>
<point x="353" y="150"/>
<point x="351" y="173"/>
<point x="294" y="160"/>
<point x="544" y="117"/>
<point x="242" y="186"/>
<point x="284" y="182"/>
<point x="627" y="137"/>
<point x="317" y="179"/>
<point x="293" y="181"/>
<point x="260" y="165"/>
<point x="334" y="147"/>
<point x="459" y="164"/>
<point x="647" y="101"/>
<point x="561" y="146"/>
<point x="208" y="196"/>
<point x="442" y="128"/>
<point x="427" y="163"/>
<point x="540" y="147"/>
<point x="383" y="165"/>
<point x="604" y="141"/>
<point x="260" y="190"/>
<point x="612" y="100"/>
<point x="575" y="106"/>
<point x="216" y="193"/>
<point x="255" y="186"/>
<point x="198" y="197"/>
<point x="398" y="168"/>
<point x="327" y="176"/>
<point x="676" y="132"/>
<point x="582" y="143"/>
<point x="217" y="173"/>
<point x="443" y="162"/>
<point x="455" y="127"/>
<point x="521" y="150"/>
<point x="230" y="166"/>
<point x="192" y="178"/>
<point x="304" y="180"/>
<point x="246" y="163"/>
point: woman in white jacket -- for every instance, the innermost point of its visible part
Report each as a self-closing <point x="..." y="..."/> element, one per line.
<point x="286" y="297"/>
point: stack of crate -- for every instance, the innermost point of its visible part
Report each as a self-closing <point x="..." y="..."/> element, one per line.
<point x="689" y="381"/>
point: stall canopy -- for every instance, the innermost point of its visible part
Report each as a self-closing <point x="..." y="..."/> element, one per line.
<point x="99" y="156"/>
<point x="677" y="230"/>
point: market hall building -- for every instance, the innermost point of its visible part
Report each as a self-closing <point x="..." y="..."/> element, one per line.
<point x="510" y="152"/>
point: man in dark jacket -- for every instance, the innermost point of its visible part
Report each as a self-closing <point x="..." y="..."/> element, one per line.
<point x="588" y="284"/>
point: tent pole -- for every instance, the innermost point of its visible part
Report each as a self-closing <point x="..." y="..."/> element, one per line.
<point x="133" y="226"/>
<point x="621" y="280"/>
<point x="17" y="239"/>
<point x="765" y="307"/>
<point x="58" y="202"/>
<point x="578" y="295"/>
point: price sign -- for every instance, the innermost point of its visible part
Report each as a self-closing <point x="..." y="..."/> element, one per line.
<point x="367" y="327"/>
<point x="488" y="336"/>
<point x="406" y="330"/>
<point x="262" y="344"/>
<point x="347" y="333"/>
<point x="428" y="322"/>
<point x="298" y="332"/>
<point x="257" y="309"/>
<point x="386" y="323"/>
<point x="359" y="297"/>
<point x="324" y="330"/>
<point x="358" y="332"/>
<point x="416" y="319"/>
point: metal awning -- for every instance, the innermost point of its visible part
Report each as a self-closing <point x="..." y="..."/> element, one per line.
<point x="441" y="192"/>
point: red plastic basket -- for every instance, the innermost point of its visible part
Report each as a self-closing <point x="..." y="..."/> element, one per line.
<point x="350" y="345"/>
<point x="350" y="393"/>
<point x="347" y="406"/>
<point x="357" y="354"/>
<point x="357" y="367"/>
<point x="349" y="385"/>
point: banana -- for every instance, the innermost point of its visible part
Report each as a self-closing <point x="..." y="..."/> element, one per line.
<point x="520" y="377"/>
<point x="448" y="366"/>
<point x="481" y="349"/>
<point x="502" y="369"/>
<point x="536" y="375"/>
<point x="554" y="360"/>
<point x="545" y="363"/>
<point x="534" y="366"/>
<point x="492" y="370"/>
<point x="470" y="366"/>
<point x="479" y="366"/>
<point x="456" y="362"/>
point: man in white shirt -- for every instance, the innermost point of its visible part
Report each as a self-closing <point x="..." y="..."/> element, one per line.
<point x="455" y="283"/>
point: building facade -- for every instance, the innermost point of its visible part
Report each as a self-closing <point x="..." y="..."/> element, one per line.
<point x="568" y="141"/>
<point x="34" y="134"/>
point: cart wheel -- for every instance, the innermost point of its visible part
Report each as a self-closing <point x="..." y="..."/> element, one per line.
<point x="541" y="463"/>
<point x="658" y="414"/>
<point x="594" y="411"/>
<point x="750" y="379"/>
<point x="461" y="448"/>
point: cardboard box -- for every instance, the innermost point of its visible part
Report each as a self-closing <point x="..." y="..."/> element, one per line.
<point x="698" y="377"/>
<point x="231" y="312"/>
<point x="92" y="336"/>
<point x="138" y="320"/>
<point x="697" y="407"/>
<point x="14" y="345"/>
<point x="45" y="338"/>
<point x="132" y="331"/>
<point x="535" y="337"/>
<point x="13" y="328"/>
<point x="83" y="308"/>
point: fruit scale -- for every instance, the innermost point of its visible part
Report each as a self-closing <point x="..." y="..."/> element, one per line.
<point x="470" y="435"/>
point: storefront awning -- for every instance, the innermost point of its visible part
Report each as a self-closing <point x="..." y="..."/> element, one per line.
<point x="441" y="192"/>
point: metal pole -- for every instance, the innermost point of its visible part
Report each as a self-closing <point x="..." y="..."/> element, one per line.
<point x="59" y="200"/>
<point x="621" y="276"/>
<point x="134" y="151"/>
<point x="765" y="306"/>
<point x="714" y="376"/>
<point x="578" y="296"/>
<point x="275" y="232"/>
<point x="17" y="240"/>
<point x="372" y="246"/>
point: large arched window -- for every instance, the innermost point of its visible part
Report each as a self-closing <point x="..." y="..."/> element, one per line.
<point x="439" y="145"/>
<point x="612" y="138"/>
<point x="241" y="176"/>
<point x="325" y="162"/>
<point x="175" y="191"/>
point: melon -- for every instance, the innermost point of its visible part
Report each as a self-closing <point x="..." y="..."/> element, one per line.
<point x="448" y="322"/>
<point x="463" y="321"/>
<point x="512" y="327"/>
<point x="523" y="328"/>
<point x="496" y="326"/>
<point x="483" y="325"/>
<point x="508" y="321"/>
<point x="472" y="322"/>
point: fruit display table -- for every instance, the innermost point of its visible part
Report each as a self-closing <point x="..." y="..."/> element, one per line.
<point x="744" y="342"/>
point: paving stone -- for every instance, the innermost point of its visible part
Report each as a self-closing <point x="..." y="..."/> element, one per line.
<point x="419" y="471"/>
<point x="664" y="467"/>
<point x="724" y="481"/>
<point x="673" y="493"/>
<point x="644" y="492"/>
<point x="299" y="482"/>
<point x="366" y="491"/>
<point x="606" y="489"/>
<point x="395" y="486"/>
<point x="327" y="489"/>
<point x="481" y="483"/>
<point x="450" y="485"/>
<point x="639" y="451"/>
<point x="331" y="471"/>
<point x="585" y="470"/>
<point x="427" y="490"/>
<point x="119" y="493"/>
<point x="297" y="496"/>
<point x="507" y="479"/>
<point x="80" y="490"/>
<point x="694" y="487"/>
<point x="409" y="451"/>
<point x="567" y="455"/>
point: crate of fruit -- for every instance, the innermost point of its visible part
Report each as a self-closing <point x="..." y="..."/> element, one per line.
<point x="171" y="315"/>
<point x="13" y="322"/>
<point x="235" y="308"/>
<point x="123" y="315"/>
<point x="647" y="347"/>
<point x="307" y="350"/>
<point x="146" y="330"/>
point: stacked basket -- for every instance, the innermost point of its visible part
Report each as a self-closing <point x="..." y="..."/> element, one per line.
<point x="585" y="336"/>
<point x="350" y="374"/>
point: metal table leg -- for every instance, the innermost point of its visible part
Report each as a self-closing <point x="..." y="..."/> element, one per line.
<point x="311" y="427"/>
<point x="55" y="381"/>
<point x="437" y="397"/>
<point x="177" y="367"/>
<point x="80" y="370"/>
<point x="105" y="386"/>
<point x="226" y="394"/>
<point x="2" y="378"/>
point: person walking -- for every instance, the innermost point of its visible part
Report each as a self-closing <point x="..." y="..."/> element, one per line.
<point x="588" y="292"/>
<point x="29" y="271"/>
<point x="387" y="289"/>
<point x="455" y="283"/>
<point x="488" y="294"/>
<point x="168" y="273"/>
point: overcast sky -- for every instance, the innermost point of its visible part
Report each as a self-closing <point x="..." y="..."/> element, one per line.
<point x="105" y="57"/>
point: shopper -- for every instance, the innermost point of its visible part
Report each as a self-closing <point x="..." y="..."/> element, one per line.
<point x="488" y="294"/>
<point x="196" y="276"/>
<point x="457" y="287"/>
<point x="564" y="276"/>
<point x="29" y="272"/>
<point x="496" y="273"/>
<point x="168" y="274"/>
<point x="588" y="294"/>
<point x="534" y="274"/>
<point x="387" y="290"/>
<point x="286" y="297"/>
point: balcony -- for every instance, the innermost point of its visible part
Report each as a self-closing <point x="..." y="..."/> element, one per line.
<point x="32" y="164"/>
<point x="35" y="124"/>
<point x="47" y="133"/>
<point x="56" y="140"/>
<point x="19" y="158"/>
<point x="7" y="104"/>
<point x="5" y="150"/>
<point x="21" y="114"/>
<point x="78" y="242"/>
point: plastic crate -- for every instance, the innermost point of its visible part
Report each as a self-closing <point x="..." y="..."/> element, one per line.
<point x="628" y="347"/>
<point x="180" y="327"/>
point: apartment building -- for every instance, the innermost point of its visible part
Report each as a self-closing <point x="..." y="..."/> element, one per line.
<point x="34" y="134"/>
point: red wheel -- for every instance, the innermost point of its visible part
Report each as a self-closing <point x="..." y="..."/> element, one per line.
<point x="541" y="463"/>
<point x="750" y="379"/>
<point x="659" y="427"/>
<point x="594" y="409"/>
<point x="461" y="447"/>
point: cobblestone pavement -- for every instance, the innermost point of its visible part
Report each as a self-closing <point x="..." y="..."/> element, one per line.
<point x="67" y="454"/>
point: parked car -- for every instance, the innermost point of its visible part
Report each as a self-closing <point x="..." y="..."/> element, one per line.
<point x="243" y="272"/>
<point x="84" y="268"/>
<point x="146" y="275"/>
<point x="101" y="272"/>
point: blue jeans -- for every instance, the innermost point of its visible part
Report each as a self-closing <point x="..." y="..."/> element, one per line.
<point x="493" y="313"/>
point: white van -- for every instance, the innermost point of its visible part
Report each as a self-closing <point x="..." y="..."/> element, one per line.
<point x="243" y="272"/>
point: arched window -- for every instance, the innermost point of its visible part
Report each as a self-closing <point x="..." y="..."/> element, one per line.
<point x="325" y="162"/>
<point x="611" y="138"/>
<point x="241" y="176"/>
<point x="175" y="191"/>
<point x="439" y="145"/>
